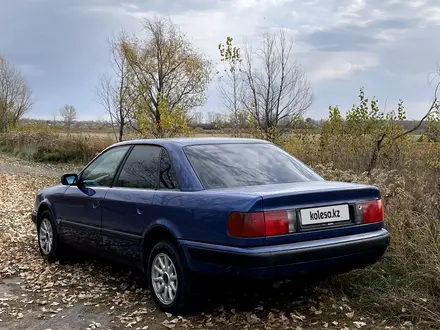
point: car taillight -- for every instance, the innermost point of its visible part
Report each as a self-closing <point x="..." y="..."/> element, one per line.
<point x="261" y="224"/>
<point x="372" y="211"/>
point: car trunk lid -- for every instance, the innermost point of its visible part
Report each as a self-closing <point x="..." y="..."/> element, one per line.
<point x="316" y="209"/>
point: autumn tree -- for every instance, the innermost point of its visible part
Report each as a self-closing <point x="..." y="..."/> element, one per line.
<point x="170" y="75"/>
<point x="116" y="92"/>
<point x="68" y="114"/>
<point x="277" y="91"/>
<point x="15" y="96"/>
<point x="230" y="85"/>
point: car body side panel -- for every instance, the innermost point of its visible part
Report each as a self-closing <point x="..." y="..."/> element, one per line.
<point x="125" y="214"/>
<point x="204" y="217"/>
<point x="60" y="205"/>
<point x="173" y="212"/>
<point x="79" y="215"/>
<point x="50" y="197"/>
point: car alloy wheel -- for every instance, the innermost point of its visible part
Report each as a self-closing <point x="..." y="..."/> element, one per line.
<point x="46" y="236"/>
<point x="170" y="281"/>
<point x="164" y="279"/>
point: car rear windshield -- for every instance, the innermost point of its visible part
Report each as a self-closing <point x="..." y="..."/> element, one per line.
<point x="245" y="164"/>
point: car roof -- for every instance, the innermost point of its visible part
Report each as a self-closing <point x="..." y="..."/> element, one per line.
<point x="192" y="141"/>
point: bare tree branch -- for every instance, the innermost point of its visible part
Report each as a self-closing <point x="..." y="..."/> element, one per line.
<point x="117" y="94"/>
<point x="68" y="113"/>
<point x="230" y="85"/>
<point x="105" y="92"/>
<point x="15" y="96"/>
<point x="278" y="90"/>
<point x="379" y="143"/>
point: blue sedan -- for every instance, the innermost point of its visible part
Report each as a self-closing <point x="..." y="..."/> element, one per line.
<point x="242" y="208"/>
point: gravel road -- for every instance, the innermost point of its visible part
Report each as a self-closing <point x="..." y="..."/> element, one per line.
<point x="89" y="294"/>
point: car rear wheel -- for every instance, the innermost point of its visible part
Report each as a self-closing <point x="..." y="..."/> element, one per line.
<point x="168" y="277"/>
<point x="48" y="241"/>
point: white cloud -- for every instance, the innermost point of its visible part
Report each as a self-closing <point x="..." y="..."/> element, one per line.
<point x="323" y="67"/>
<point x="416" y="3"/>
<point x="28" y="69"/>
<point x="432" y="15"/>
<point x="208" y="29"/>
<point x="417" y="109"/>
<point x="388" y="45"/>
<point x="374" y="26"/>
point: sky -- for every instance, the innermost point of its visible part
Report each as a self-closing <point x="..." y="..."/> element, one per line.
<point x="389" y="47"/>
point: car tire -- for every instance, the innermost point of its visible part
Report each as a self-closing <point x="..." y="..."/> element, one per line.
<point x="48" y="240"/>
<point x="170" y="290"/>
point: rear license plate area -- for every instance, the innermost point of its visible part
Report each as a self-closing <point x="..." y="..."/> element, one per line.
<point x="324" y="216"/>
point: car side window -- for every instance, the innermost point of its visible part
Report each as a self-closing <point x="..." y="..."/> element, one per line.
<point x="141" y="168"/>
<point x="102" y="170"/>
<point x="167" y="175"/>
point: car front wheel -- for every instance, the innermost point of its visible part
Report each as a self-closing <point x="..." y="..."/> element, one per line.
<point x="48" y="241"/>
<point x="169" y="278"/>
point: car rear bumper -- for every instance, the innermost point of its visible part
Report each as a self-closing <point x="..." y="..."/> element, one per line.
<point x="334" y="255"/>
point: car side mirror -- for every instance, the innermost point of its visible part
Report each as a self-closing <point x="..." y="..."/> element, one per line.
<point x="69" y="179"/>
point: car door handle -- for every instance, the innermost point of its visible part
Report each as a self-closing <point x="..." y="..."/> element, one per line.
<point x="139" y="211"/>
<point x="95" y="205"/>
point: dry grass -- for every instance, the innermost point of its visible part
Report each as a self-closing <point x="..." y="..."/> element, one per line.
<point x="63" y="147"/>
<point x="46" y="146"/>
<point x="405" y="284"/>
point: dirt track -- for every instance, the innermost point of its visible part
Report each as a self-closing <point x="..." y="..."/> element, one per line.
<point x="89" y="294"/>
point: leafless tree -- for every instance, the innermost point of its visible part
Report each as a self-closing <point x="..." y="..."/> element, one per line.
<point x="230" y="85"/>
<point x="168" y="70"/>
<point x="115" y="93"/>
<point x="68" y="114"/>
<point x="197" y="117"/>
<point x="276" y="85"/>
<point x="15" y="95"/>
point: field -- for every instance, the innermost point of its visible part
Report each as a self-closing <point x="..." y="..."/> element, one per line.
<point x="402" y="291"/>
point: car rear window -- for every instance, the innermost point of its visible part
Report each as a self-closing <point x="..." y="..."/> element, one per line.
<point x="244" y="164"/>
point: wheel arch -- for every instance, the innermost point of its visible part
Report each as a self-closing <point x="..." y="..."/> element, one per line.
<point x="153" y="235"/>
<point x="44" y="206"/>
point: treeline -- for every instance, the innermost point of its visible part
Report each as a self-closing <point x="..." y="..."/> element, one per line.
<point x="204" y="120"/>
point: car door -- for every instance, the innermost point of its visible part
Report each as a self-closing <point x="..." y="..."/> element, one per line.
<point x="128" y="205"/>
<point x="79" y="207"/>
